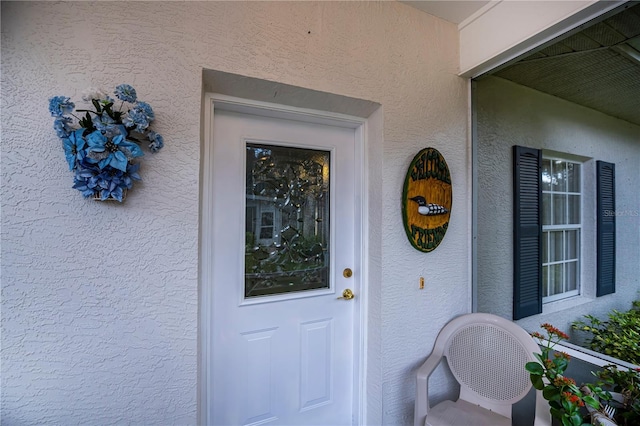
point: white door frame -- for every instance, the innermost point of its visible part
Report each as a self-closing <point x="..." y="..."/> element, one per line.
<point x="215" y="101"/>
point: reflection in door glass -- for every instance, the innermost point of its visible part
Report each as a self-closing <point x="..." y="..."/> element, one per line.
<point x="287" y="220"/>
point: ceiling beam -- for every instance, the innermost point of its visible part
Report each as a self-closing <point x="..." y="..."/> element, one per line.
<point x="512" y="28"/>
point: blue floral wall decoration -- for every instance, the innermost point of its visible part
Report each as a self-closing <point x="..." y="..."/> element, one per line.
<point x="103" y="145"/>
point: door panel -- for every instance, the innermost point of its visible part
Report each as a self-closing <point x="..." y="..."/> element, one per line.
<point x="315" y="357"/>
<point x="283" y="223"/>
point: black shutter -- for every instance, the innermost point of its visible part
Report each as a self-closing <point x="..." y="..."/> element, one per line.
<point x="527" y="232"/>
<point x="606" y="230"/>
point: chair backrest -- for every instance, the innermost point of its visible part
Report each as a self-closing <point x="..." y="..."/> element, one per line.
<point x="487" y="355"/>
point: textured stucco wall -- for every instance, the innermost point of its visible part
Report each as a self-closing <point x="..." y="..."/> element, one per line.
<point x="509" y="114"/>
<point x="100" y="301"/>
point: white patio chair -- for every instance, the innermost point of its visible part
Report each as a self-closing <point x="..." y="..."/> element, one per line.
<point x="486" y="355"/>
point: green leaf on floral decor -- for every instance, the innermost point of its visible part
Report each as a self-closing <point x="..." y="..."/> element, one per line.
<point x="86" y="122"/>
<point x="107" y="109"/>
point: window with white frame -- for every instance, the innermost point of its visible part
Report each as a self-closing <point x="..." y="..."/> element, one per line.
<point x="561" y="228"/>
<point x="548" y="229"/>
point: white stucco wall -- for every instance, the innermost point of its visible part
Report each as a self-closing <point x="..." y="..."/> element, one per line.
<point x="509" y="114"/>
<point x="100" y="301"/>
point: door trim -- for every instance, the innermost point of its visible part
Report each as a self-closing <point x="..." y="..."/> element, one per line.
<point x="212" y="102"/>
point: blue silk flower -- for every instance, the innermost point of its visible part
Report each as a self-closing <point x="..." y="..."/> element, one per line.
<point x="117" y="150"/>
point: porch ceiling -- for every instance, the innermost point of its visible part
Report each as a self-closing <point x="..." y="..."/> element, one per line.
<point x="597" y="67"/>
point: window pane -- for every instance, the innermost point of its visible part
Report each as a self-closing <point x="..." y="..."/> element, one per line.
<point x="555" y="246"/>
<point x="559" y="174"/>
<point x="573" y="177"/>
<point x="559" y="209"/>
<point x="545" y="281"/>
<point x="574" y="209"/>
<point x="546" y="175"/>
<point x="556" y="278"/>
<point x="546" y="209"/>
<point x="571" y="275"/>
<point x="267" y="218"/>
<point x="266" y="232"/>
<point x="545" y="247"/>
<point x="571" y="244"/>
<point x="287" y="193"/>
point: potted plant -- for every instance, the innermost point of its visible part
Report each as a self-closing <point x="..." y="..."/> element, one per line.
<point x="620" y="391"/>
<point x="613" y="399"/>
<point x="566" y="400"/>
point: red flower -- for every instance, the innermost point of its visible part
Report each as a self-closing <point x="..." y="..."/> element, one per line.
<point x="554" y="331"/>
<point x="563" y="381"/>
<point x="572" y="398"/>
<point x="562" y="355"/>
<point x="537" y="335"/>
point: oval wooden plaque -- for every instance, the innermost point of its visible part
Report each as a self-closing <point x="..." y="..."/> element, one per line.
<point x="426" y="200"/>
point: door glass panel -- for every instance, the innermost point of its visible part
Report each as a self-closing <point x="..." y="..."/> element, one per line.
<point x="287" y="220"/>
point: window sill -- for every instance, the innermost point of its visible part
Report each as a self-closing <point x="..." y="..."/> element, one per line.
<point x="564" y="304"/>
<point x="591" y="357"/>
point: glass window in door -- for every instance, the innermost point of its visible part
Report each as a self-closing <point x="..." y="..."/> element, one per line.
<point x="287" y="220"/>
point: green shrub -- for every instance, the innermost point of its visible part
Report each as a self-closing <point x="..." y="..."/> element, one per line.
<point x="618" y="337"/>
<point x="627" y="384"/>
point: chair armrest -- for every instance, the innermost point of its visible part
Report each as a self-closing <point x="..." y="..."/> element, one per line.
<point x="543" y="415"/>
<point x="422" y="388"/>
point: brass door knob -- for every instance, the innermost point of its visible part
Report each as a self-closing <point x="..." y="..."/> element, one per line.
<point x="347" y="294"/>
<point x="347" y="273"/>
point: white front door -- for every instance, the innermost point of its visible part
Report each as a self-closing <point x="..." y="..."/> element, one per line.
<point x="283" y="222"/>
